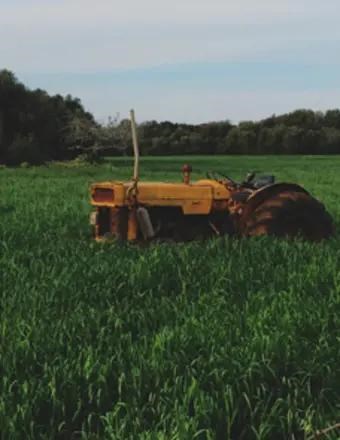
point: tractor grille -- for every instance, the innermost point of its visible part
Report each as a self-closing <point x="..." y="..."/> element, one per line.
<point x="102" y="195"/>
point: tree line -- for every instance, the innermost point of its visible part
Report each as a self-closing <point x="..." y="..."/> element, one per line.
<point x="298" y="132"/>
<point x="36" y="128"/>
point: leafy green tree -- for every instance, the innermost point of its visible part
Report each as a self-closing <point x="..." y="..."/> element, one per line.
<point x="332" y="118"/>
<point x="36" y="127"/>
<point x="331" y="140"/>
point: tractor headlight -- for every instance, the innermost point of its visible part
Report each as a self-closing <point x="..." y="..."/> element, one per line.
<point x="103" y="195"/>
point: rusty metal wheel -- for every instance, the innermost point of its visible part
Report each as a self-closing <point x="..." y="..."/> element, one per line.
<point x="290" y="214"/>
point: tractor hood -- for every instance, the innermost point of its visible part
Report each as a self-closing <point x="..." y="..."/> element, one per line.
<point x="195" y="198"/>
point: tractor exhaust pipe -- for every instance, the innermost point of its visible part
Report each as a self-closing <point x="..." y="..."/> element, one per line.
<point x="135" y="147"/>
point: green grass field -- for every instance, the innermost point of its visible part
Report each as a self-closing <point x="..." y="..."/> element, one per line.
<point x="226" y="339"/>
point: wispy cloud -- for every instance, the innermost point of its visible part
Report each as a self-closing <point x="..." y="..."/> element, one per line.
<point x="184" y="51"/>
<point x="78" y="35"/>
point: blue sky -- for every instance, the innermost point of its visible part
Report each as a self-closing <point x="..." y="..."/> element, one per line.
<point x="184" y="60"/>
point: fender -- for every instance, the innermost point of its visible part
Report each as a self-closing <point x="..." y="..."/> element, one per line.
<point x="265" y="193"/>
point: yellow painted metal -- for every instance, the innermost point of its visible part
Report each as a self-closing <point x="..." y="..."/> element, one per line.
<point x="132" y="225"/>
<point x="195" y="198"/>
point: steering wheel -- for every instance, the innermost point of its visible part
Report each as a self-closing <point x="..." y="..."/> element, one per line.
<point x="216" y="175"/>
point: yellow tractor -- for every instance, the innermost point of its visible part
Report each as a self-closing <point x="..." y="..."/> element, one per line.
<point x="215" y="206"/>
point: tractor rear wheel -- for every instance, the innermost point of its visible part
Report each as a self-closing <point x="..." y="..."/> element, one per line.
<point x="290" y="214"/>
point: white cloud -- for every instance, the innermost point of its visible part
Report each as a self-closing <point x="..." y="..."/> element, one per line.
<point x="151" y="12"/>
<point x="82" y="35"/>
<point x="38" y="37"/>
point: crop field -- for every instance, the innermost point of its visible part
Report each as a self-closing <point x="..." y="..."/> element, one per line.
<point x="223" y="339"/>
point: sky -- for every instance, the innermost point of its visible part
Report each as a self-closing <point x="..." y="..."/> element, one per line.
<point x="180" y="60"/>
